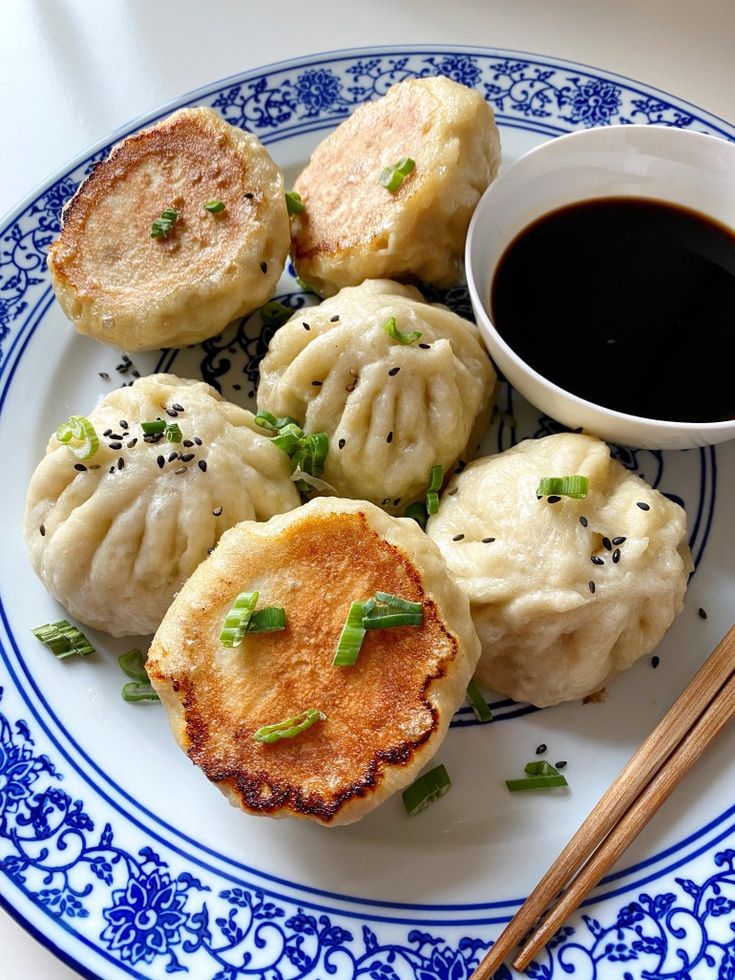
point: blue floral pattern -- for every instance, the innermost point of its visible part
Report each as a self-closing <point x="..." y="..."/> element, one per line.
<point x="143" y="909"/>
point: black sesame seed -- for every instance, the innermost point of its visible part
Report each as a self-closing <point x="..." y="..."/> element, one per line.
<point x="655" y="661"/>
<point x="237" y="387"/>
<point x="172" y="413"/>
<point x="341" y="444"/>
<point x="160" y="460"/>
<point x="488" y="540"/>
<point x="461" y="463"/>
<point x="115" y="445"/>
<point x="591" y="585"/>
<point x="177" y="407"/>
<point x="202" y="464"/>
<point x="619" y="540"/>
<point x="393" y="372"/>
<point x="384" y="501"/>
<point x="136" y="374"/>
<point x="81" y="467"/>
<point x="540" y="749"/>
<point x="120" y="462"/>
<point x="251" y="393"/>
<point x="425" y="346"/>
<point x="188" y="443"/>
<point x="616" y="556"/>
<point x="306" y="326"/>
<point x="553" y="499"/>
<point x="607" y="543"/>
<point x="217" y="511"/>
<point x="642" y="505"/>
<point x="701" y="613"/>
<point x="561" y="765"/>
<point x="132" y="442"/>
<point x="104" y="375"/>
<point x="583" y="521"/>
<point x="452" y="492"/>
<point x="42" y="530"/>
<point x="389" y="437"/>
<point x="123" y="424"/>
<point x="458" y="537"/>
<point x="181" y="469"/>
<point x="210" y="550"/>
<point x="186" y="457"/>
<point x="112" y="469"/>
<point x="263" y="267"/>
<point x="172" y="456"/>
<point x="197" y="440"/>
<point x="107" y="432"/>
<point x="334" y="319"/>
<point x="317" y="384"/>
<point x="249" y="195"/>
<point x="597" y="561"/>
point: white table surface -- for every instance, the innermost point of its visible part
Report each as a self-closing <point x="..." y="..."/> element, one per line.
<point x="71" y="71"/>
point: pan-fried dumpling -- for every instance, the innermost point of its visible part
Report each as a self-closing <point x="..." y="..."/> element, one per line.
<point x="391" y="410"/>
<point x="564" y="593"/>
<point x="379" y="721"/>
<point x="353" y="228"/>
<point x="114" y="536"/>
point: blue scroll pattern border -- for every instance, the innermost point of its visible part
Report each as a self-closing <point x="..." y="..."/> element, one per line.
<point x="149" y="917"/>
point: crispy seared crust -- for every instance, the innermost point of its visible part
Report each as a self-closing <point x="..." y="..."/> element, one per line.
<point x="385" y="716"/>
<point x="120" y="285"/>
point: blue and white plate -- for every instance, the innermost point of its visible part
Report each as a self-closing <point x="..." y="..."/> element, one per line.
<point x="115" y="851"/>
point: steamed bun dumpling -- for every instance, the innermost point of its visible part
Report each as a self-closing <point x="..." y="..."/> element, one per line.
<point x="352" y="228"/>
<point x="391" y="410"/>
<point x="113" y="538"/>
<point x="564" y="593"/>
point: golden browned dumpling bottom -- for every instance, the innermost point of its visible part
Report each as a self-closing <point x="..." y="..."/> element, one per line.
<point x="377" y="712"/>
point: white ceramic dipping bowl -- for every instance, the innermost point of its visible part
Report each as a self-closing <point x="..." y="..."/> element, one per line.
<point x="655" y="162"/>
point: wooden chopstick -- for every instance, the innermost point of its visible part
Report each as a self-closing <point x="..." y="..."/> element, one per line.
<point x="634" y="778"/>
<point x="653" y="796"/>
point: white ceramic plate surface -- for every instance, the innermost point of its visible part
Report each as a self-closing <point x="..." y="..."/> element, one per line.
<point x="115" y="851"/>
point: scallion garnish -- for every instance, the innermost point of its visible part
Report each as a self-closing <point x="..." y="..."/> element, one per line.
<point x="535" y="782"/>
<point x="417" y="512"/>
<point x="564" y="486"/>
<point x="310" y="456"/>
<point x="427" y="788"/>
<point x="214" y="207"/>
<point x="270" y="619"/>
<point x="289" y="438"/>
<point x="313" y="482"/>
<point x="289" y="727"/>
<point x="267" y="421"/>
<point x="140" y="688"/>
<point x="173" y="432"/>
<point x="406" y="605"/>
<point x="161" y="227"/>
<point x="79" y="435"/>
<point x="153" y="428"/>
<point x="294" y="204"/>
<point x="403" y="338"/>
<point x="392" y="177"/>
<point x="237" y="619"/>
<point x="478" y="704"/>
<point x="304" y="285"/>
<point x="307" y="451"/>
<point x="436" y="478"/>
<point x="540" y="768"/>
<point x="351" y="637"/>
<point x="63" y="639"/>
<point x="275" y="314"/>
<point x="386" y="611"/>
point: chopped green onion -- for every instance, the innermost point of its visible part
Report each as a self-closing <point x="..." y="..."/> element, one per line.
<point x="153" y="428"/>
<point x="300" y="476"/>
<point x="392" y="177"/>
<point x="564" y="486"/>
<point x="303" y="284"/>
<point x="132" y="663"/>
<point x="161" y="227"/>
<point x="540" y="768"/>
<point x="80" y="431"/>
<point x="311" y="453"/>
<point x="275" y="314"/>
<point x="289" y="727"/>
<point x="478" y="704"/>
<point x="351" y="637"/>
<point x="294" y="204"/>
<point x="270" y="619"/>
<point x="417" y="512"/>
<point x="387" y="611"/>
<point x="214" y="207"/>
<point x="132" y="691"/>
<point x="267" y="421"/>
<point x="289" y="438"/>
<point x="236" y="622"/>
<point x="387" y="620"/>
<point x="173" y="432"/>
<point x="436" y="478"/>
<point x="535" y="782"/>
<point x="63" y="639"/>
<point x="395" y="600"/>
<point x="427" y="788"/>
<point x="403" y="338"/>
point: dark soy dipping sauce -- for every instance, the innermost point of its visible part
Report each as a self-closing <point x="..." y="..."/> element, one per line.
<point x="627" y="302"/>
